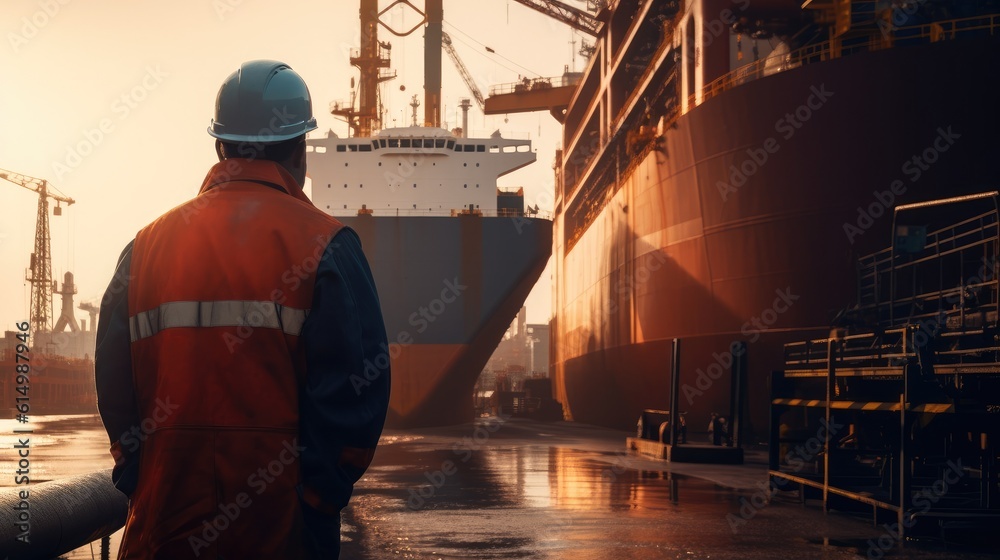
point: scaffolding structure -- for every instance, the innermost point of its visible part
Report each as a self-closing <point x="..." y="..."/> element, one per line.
<point x="898" y="411"/>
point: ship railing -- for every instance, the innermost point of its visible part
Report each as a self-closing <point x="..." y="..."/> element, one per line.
<point x="451" y="212"/>
<point x="946" y="277"/>
<point x="829" y="50"/>
<point x="536" y="84"/>
<point x="666" y="43"/>
<point x="51" y="358"/>
<point x="341" y="105"/>
<point x="474" y="134"/>
<point x="820" y="52"/>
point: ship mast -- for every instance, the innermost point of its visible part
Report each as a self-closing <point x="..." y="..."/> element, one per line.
<point x="371" y="59"/>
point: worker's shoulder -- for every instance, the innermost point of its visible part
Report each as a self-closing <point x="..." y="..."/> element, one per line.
<point x="304" y="210"/>
<point x="278" y="205"/>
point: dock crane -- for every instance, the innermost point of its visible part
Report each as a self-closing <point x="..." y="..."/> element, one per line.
<point x="551" y="94"/>
<point x="39" y="274"/>
<point x="466" y="75"/>
<point x="576" y="18"/>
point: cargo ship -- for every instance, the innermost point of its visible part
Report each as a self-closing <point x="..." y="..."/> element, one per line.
<point x="60" y="377"/>
<point x="724" y="163"/>
<point x="58" y="385"/>
<point x="453" y="256"/>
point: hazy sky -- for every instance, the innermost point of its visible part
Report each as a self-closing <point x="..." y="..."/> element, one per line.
<point x="148" y="72"/>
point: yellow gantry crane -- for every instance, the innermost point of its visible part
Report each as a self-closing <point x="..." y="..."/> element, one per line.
<point x="39" y="274"/>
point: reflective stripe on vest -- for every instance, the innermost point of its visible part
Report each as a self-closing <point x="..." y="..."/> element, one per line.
<point x="234" y="313"/>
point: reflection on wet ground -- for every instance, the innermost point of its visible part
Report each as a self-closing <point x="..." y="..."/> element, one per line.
<point x="515" y="489"/>
<point x="567" y="492"/>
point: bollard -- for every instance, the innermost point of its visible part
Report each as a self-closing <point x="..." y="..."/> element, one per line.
<point x="60" y="515"/>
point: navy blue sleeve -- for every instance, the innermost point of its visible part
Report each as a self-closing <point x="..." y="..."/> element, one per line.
<point x="113" y="373"/>
<point x="345" y="398"/>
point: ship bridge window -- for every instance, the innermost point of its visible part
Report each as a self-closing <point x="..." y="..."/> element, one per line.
<point x="509" y="149"/>
<point x="439" y="143"/>
<point x="494" y="149"/>
<point x="451" y="144"/>
<point x="310" y="149"/>
<point x="480" y="148"/>
<point x="394" y="142"/>
<point x="405" y="143"/>
<point x="428" y="143"/>
<point x="458" y="147"/>
<point x="381" y="143"/>
<point x="320" y="149"/>
<point x="366" y="147"/>
<point x="341" y="148"/>
<point x="375" y="144"/>
<point x="523" y="148"/>
<point x="354" y="147"/>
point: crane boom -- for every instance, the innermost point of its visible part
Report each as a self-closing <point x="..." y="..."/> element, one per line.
<point x="466" y="76"/>
<point x="39" y="274"/>
<point x="33" y="184"/>
<point x="574" y="17"/>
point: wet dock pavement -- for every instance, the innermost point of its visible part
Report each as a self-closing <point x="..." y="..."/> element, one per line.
<point x="519" y="489"/>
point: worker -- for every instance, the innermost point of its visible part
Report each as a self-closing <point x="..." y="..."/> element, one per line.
<point x="241" y="362"/>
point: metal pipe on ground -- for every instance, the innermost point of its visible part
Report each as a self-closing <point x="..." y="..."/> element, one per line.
<point x="59" y="516"/>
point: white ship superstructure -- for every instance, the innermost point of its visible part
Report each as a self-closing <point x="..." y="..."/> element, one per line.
<point x="412" y="171"/>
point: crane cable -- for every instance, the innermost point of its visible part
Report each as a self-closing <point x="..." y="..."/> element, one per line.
<point x="489" y="49"/>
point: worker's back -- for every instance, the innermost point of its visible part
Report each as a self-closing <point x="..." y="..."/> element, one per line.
<point x="221" y="286"/>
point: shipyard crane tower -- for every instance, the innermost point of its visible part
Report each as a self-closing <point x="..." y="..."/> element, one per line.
<point x="93" y="310"/>
<point x="39" y="274"/>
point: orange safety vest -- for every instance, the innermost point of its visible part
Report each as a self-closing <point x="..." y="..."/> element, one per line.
<point x="220" y="288"/>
